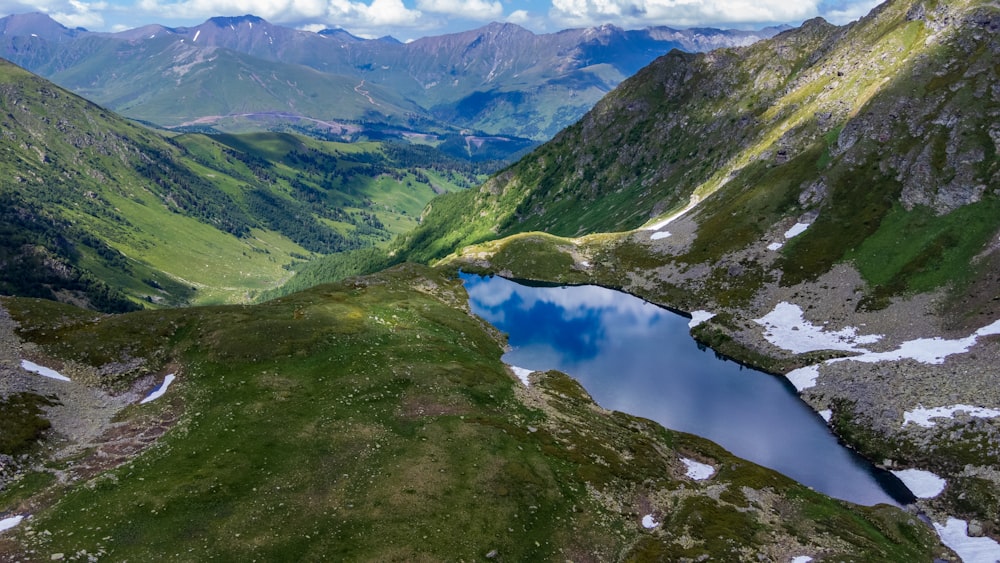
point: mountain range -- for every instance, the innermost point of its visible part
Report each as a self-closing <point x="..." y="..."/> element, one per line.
<point x="239" y="73"/>
<point x="824" y="203"/>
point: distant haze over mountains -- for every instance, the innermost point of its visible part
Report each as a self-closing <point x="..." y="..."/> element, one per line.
<point x="244" y="73"/>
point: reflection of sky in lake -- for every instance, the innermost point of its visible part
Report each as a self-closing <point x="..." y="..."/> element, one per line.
<point x="638" y="358"/>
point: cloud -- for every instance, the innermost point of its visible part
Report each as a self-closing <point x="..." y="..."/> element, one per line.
<point x="374" y="16"/>
<point x="849" y="12"/>
<point x="643" y="13"/>
<point x="464" y="9"/>
<point x="530" y="20"/>
<point x="416" y="18"/>
<point x="71" y="13"/>
<point x="80" y="14"/>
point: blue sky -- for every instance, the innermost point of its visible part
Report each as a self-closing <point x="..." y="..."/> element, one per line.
<point x="410" y="19"/>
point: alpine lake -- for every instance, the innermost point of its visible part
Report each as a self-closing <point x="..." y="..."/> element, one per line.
<point x="638" y="358"/>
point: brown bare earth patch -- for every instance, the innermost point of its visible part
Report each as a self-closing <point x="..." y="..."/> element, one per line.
<point x="415" y="406"/>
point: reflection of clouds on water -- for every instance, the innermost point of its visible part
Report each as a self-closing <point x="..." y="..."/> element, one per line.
<point x="581" y="320"/>
<point x="635" y="357"/>
<point x="494" y="295"/>
<point x="490" y="297"/>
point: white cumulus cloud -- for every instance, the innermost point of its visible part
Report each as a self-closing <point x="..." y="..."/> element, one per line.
<point x="465" y="9"/>
<point x="850" y="11"/>
<point x="417" y="18"/>
<point x="374" y="16"/>
<point x="643" y="13"/>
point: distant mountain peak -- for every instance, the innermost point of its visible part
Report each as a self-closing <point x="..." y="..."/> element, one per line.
<point x="37" y="24"/>
<point x="604" y="28"/>
<point x="343" y="34"/>
<point x="501" y="26"/>
<point x="233" y="21"/>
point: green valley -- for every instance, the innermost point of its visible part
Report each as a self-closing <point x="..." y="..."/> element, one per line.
<point x="110" y="214"/>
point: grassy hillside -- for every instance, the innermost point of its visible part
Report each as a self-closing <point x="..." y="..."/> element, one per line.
<point x="179" y="81"/>
<point x="373" y="420"/>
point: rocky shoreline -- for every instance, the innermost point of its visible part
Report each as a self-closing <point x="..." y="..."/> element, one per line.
<point x="869" y="400"/>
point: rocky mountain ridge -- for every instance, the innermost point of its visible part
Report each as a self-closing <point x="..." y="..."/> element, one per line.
<point x="500" y="79"/>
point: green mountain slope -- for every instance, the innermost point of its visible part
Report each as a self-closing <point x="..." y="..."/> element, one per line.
<point x="373" y="420"/>
<point x="850" y="173"/>
<point x="107" y="214"/>
<point x="183" y="83"/>
<point x="756" y="138"/>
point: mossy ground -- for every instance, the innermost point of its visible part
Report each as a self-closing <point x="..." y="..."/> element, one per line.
<point x="21" y="422"/>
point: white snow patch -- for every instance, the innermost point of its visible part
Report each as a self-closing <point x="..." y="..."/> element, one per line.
<point x="922" y="416"/>
<point x="955" y="534"/>
<point x="8" y="523"/>
<point x="522" y="374"/>
<point x="826" y="414"/>
<point x="696" y="470"/>
<point x="196" y="34"/>
<point x="801" y="559"/>
<point x="796" y="229"/>
<point x="775" y="246"/>
<point x="698" y="317"/>
<point x="803" y="378"/>
<point x="42" y="370"/>
<point x="649" y="522"/>
<point x="660" y="224"/>
<point x="785" y="327"/>
<point x="659" y="234"/>
<point x="584" y="263"/>
<point x="988" y="330"/>
<point x="927" y="350"/>
<point x="923" y="484"/>
<point x="159" y="391"/>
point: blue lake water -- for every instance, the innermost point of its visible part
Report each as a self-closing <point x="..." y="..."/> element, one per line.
<point x="638" y="358"/>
